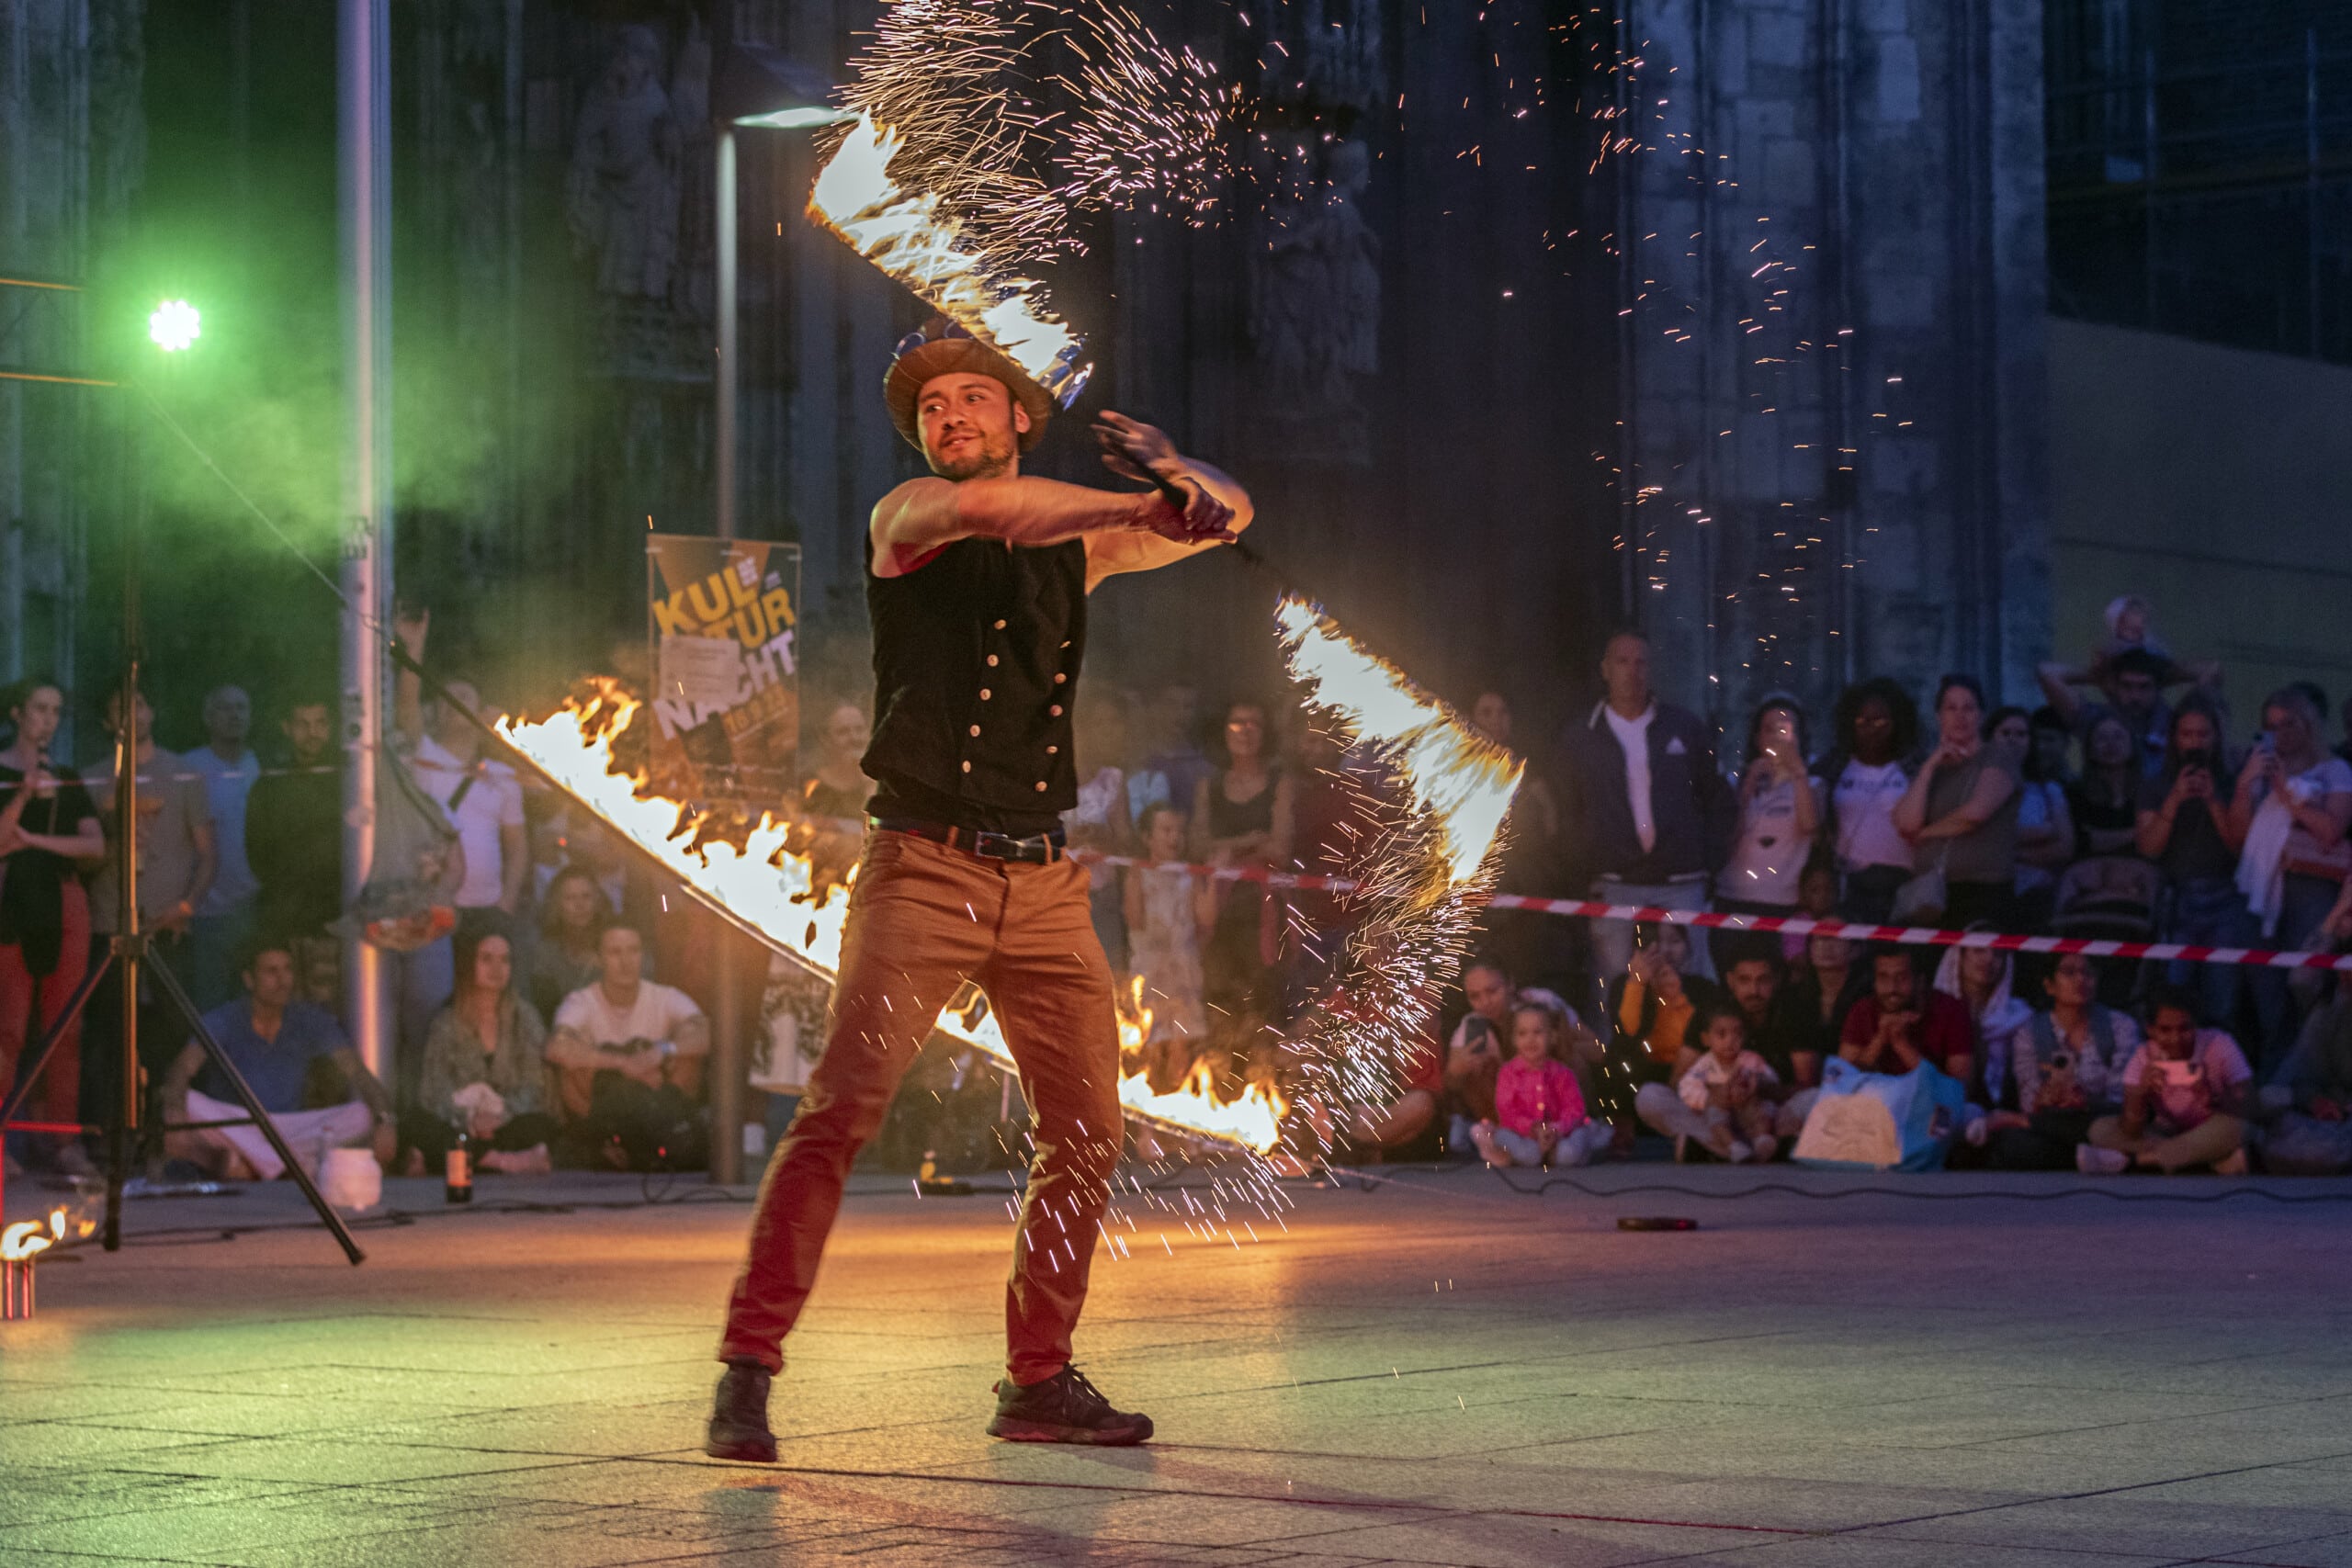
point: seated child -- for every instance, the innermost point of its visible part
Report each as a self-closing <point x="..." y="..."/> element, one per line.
<point x="1725" y="1100"/>
<point x="1539" y="1111"/>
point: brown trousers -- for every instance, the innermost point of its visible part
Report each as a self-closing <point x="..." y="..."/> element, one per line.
<point x="925" y="918"/>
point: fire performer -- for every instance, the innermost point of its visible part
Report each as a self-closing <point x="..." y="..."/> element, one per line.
<point x="976" y="584"/>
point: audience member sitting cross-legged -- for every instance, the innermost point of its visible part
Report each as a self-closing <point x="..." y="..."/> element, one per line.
<point x="1653" y="1008"/>
<point x="1539" y="1111"/>
<point x="293" y="1056"/>
<point x="629" y="1054"/>
<point x="2065" y="1067"/>
<point x="2185" y="1097"/>
<point x="1725" y="1099"/>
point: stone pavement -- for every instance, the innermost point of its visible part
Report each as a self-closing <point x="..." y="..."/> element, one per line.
<point x="1436" y="1371"/>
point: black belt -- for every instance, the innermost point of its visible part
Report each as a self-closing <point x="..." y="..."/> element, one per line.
<point x="1039" y="849"/>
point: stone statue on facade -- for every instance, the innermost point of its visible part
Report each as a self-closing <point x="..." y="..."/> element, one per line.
<point x="623" y="192"/>
<point x="1315" y="306"/>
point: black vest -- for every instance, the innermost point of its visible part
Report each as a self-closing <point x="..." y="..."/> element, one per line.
<point x="975" y="659"/>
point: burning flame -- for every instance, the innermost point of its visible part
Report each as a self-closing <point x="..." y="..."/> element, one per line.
<point x="25" y="1239"/>
<point x="770" y="891"/>
<point x="910" y="239"/>
<point x="1461" y="781"/>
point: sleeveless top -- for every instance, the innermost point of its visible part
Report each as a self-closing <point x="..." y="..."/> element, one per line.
<point x="1231" y="819"/>
<point x="975" y="662"/>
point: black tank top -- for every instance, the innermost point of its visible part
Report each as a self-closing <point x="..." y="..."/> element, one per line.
<point x="976" y="664"/>
<point x="1232" y="818"/>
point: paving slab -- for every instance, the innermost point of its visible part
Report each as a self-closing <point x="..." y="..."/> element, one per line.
<point x="1945" y="1369"/>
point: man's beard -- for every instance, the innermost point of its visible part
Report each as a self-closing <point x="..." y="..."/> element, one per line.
<point x="989" y="459"/>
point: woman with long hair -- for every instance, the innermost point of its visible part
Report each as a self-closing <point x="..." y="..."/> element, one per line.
<point x="2184" y="826"/>
<point x="1780" y="817"/>
<point x="1243" y="820"/>
<point x="48" y="830"/>
<point x="1866" y="777"/>
<point x="2046" y="826"/>
<point x="2288" y="813"/>
<point x="485" y="1064"/>
<point x="2105" y="802"/>
<point x="1961" y="811"/>
<point x="563" y="959"/>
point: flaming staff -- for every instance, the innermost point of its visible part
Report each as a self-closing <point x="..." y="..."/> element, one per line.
<point x="772" y="892"/>
<point x="1423" y="879"/>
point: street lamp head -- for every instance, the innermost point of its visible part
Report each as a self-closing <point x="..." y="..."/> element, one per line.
<point x="796" y="120"/>
<point x="756" y="86"/>
<point x="174" y="326"/>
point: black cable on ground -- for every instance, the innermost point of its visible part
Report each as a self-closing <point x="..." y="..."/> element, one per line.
<point x="1366" y="1180"/>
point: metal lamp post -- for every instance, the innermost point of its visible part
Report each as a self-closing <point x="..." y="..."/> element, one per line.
<point x="760" y="88"/>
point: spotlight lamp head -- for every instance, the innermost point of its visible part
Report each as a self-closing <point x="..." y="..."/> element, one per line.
<point x="174" y="326"/>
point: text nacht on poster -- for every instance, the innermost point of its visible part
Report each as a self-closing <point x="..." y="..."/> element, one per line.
<point x="725" y="704"/>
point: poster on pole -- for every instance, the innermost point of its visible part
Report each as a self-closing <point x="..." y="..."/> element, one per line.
<point x="722" y="616"/>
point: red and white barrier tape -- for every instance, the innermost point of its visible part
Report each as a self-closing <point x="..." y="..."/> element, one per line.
<point x="1791" y="925"/>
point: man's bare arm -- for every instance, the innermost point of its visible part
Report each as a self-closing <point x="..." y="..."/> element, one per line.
<point x="922" y="514"/>
<point x="1107" y="555"/>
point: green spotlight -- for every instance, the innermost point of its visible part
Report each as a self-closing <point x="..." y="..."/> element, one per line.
<point x="174" y="326"/>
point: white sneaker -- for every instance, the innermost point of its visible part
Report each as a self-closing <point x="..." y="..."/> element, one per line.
<point x="2092" y="1161"/>
<point x="1977" y="1131"/>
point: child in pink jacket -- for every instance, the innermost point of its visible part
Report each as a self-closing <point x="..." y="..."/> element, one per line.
<point x="1539" y="1111"/>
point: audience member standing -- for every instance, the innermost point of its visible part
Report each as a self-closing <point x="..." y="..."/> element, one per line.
<point x="1168" y="909"/>
<point x="2105" y="802"/>
<point x="837" y="787"/>
<point x="175" y="858"/>
<point x="49" y="827"/>
<point x="224" y="920"/>
<point x="2046" y="826"/>
<point x="572" y="913"/>
<point x="1878" y="725"/>
<point x="2288" y="813"/>
<point x="1100" y="821"/>
<point x="2132" y="680"/>
<point x="1243" y="818"/>
<point x="1779" y="816"/>
<point x="1961" y="811"/>
<point x="1642" y="788"/>
<point x="1531" y="942"/>
<point x="2184" y="826"/>
<point x="484" y="802"/>
<point x="1333" y="814"/>
<point x="295" y="844"/>
<point x="1174" y="767"/>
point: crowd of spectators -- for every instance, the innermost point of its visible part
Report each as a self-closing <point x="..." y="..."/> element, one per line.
<point x="529" y="1019"/>
<point x="562" y="1018"/>
<point x="2120" y="808"/>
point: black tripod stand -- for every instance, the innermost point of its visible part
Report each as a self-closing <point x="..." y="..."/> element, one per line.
<point x="133" y="953"/>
